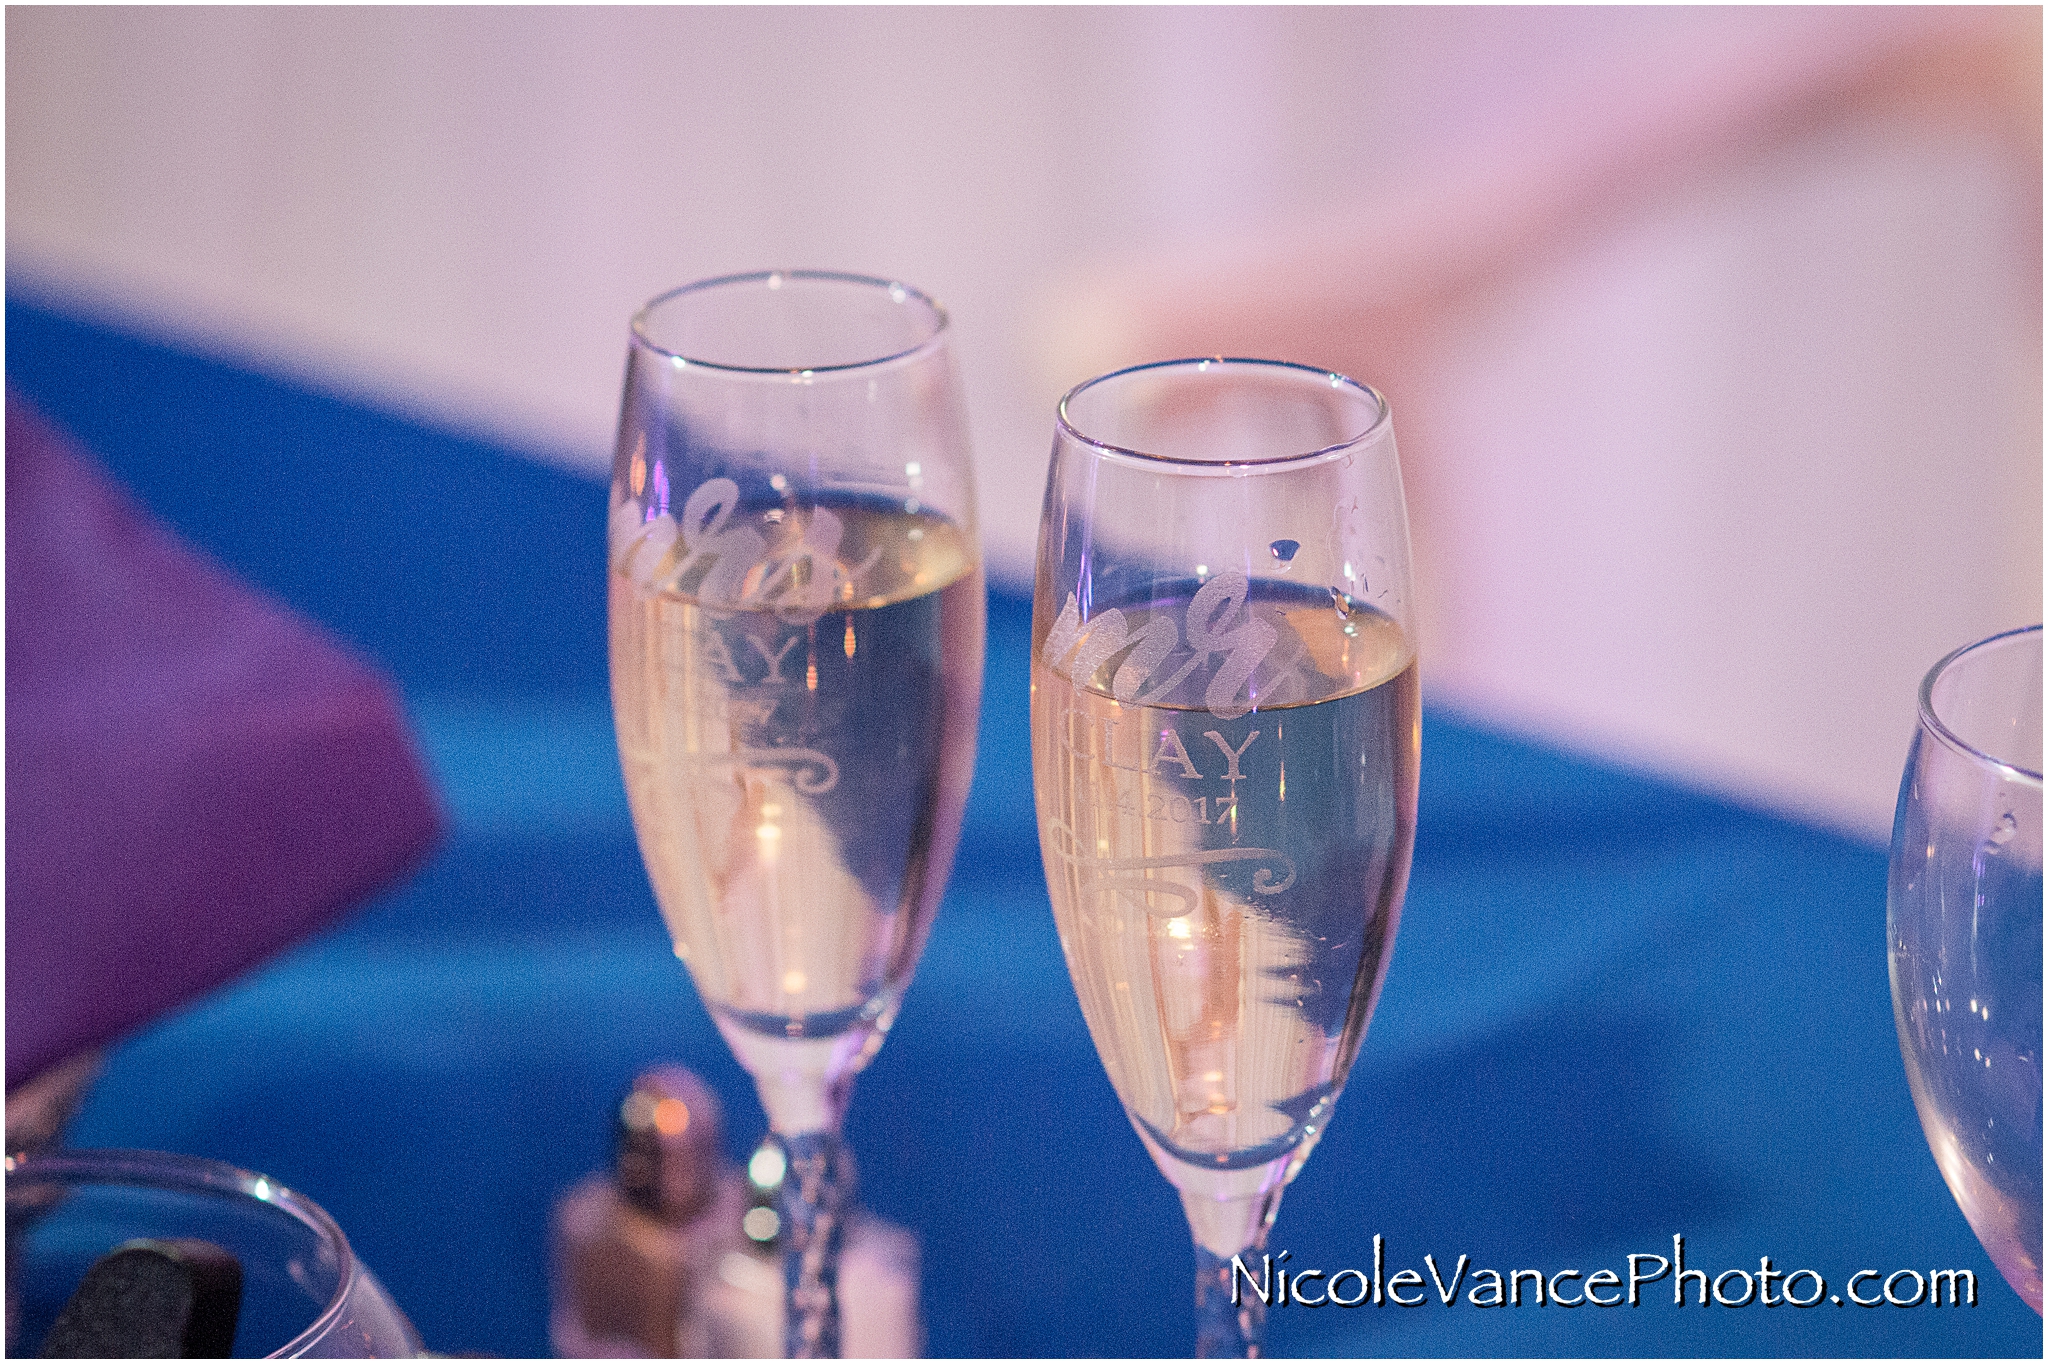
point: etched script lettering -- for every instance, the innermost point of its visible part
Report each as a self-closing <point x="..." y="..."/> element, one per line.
<point x="730" y="565"/>
<point x="1243" y="647"/>
<point x="1217" y="621"/>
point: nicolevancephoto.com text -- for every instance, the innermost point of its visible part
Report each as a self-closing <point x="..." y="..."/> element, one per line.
<point x="1273" y="1283"/>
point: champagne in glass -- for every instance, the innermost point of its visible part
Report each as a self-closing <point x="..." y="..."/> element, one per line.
<point x="797" y="612"/>
<point x="1225" y="736"/>
<point x="1965" y="939"/>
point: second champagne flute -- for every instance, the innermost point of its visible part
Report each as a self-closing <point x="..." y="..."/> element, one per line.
<point x="1224" y="744"/>
<point x="796" y="646"/>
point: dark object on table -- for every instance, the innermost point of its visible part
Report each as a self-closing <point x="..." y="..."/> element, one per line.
<point x="633" y="1250"/>
<point x="673" y="1253"/>
<point x="196" y="778"/>
<point x="152" y="1300"/>
<point x="668" y="1143"/>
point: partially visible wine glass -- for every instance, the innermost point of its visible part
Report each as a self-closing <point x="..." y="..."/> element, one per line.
<point x="796" y="645"/>
<point x="302" y="1293"/>
<point x="1965" y="939"/>
<point x="1225" y="737"/>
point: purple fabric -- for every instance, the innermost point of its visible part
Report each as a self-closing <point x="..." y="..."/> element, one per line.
<point x="196" y="778"/>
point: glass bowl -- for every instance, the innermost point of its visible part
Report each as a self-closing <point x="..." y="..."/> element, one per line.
<point x="304" y="1293"/>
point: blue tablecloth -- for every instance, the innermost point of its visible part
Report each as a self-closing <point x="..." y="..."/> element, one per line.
<point x="1617" y="1011"/>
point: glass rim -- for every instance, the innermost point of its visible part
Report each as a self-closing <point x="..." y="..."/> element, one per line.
<point x="899" y="292"/>
<point x="196" y="1174"/>
<point x="1382" y="414"/>
<point x="1933" y="724"/>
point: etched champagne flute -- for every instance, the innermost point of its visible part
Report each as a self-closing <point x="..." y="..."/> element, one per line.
<point x="797" y="619"/>
<point x="1225" y="736"/>
<point x="1965" y="939"/>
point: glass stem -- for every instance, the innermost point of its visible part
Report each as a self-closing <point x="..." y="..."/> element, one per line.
<point x="817" y="1194"/>
<point x="1226" y="1329"/>
<point x="1230" y="1217"/>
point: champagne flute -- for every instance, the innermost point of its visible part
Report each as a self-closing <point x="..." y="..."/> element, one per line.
<point x="797" y="620"/>
<point x="1965" y="939"/>
<point x="1225" y="735"/>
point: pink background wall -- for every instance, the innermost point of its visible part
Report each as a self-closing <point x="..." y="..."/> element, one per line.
<point x="1705" y="483"/>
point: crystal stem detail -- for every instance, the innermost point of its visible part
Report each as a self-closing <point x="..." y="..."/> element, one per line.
<point x="1226" y="1330"/>
<point x="816" y="1194"/>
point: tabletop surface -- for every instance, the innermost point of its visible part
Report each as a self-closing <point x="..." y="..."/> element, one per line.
<point x="1618" y="1011"/>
